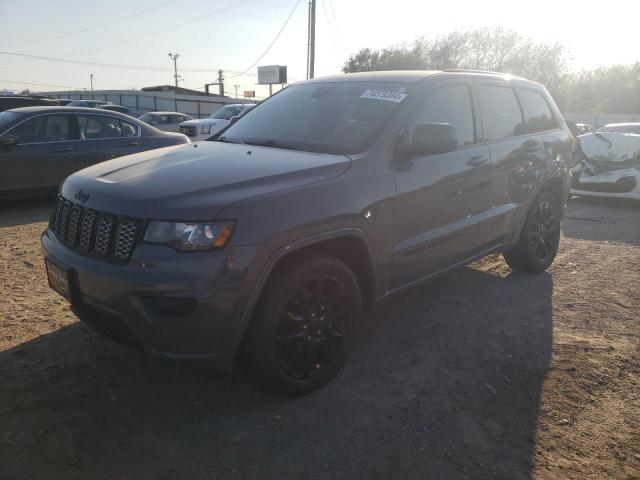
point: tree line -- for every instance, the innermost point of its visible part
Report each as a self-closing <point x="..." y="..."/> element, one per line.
<point x="614" y="89"/>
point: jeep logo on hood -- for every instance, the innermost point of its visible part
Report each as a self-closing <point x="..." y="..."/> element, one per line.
<point x="81" y="196"/>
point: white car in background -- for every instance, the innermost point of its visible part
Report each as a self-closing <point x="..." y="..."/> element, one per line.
<point x="165" y="121"/>
<point x="608" y="164"/>
<point x="205" y="128"/>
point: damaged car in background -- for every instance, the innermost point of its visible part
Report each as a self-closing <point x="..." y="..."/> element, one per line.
<point x="607" y="165"/>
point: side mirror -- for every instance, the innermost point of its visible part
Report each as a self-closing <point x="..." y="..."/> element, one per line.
<point x="433" y="138"/>
<point x="234" y="119"/>
<point x="9" y="140"/>
<point x="573" y="128"/>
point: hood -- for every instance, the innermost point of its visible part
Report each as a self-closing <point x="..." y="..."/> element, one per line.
<point x="196" y="181"/>
<point x="202" y="121"/>
<point x="611" y="150"/>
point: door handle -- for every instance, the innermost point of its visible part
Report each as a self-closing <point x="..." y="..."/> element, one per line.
<point x="131" y="144"/>
<point x="62" y="150"/>
<point x="478" y="160"/>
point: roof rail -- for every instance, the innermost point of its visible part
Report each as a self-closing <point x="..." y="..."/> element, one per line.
<point x="471" y="70"/>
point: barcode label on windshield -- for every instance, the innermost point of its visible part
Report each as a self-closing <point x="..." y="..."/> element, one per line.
<point x="387" y="95"/>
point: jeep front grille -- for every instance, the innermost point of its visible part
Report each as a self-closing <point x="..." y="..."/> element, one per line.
<point x="95" y="233"/>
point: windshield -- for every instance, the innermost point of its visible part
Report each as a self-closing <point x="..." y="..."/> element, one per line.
<point x="225" y="113"/>
<point x="146" y="117"/>
<point x="7" y="117"/>
<point x="336" y="118"/>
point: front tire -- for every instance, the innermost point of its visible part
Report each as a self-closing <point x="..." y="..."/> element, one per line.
<point x="304" y="326"/>
<point x="538" y="244"/>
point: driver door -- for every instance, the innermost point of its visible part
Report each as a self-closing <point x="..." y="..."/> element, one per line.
<point x="441" y="197"/>
<point x="44" y="155"/>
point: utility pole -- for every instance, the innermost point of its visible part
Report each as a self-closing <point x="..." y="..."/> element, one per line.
<point x="91" y="77"/>
<point x="221" y="83"/>
<point x="236" y="87"/>
<point x="174" y="57"/>
<point x="311" y="45"/>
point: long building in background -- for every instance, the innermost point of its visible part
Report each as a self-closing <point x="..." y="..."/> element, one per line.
<point x="154" y="99"/>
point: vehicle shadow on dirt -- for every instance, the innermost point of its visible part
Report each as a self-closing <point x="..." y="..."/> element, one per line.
<point x="603" y="219"/>
<point x="24" y="211"/>
<point x="444" y="383"/>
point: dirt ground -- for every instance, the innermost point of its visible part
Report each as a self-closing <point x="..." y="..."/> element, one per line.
<point x="481" y="374"/>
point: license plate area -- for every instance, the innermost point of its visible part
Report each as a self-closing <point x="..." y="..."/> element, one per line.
<point x="60" y="278"/>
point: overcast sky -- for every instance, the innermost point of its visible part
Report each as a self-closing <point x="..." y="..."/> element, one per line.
<point x="233" y="34"/>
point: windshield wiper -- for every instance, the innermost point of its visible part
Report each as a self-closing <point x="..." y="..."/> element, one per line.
<point x="270" y="144"/>
<point x="222" y="139"/>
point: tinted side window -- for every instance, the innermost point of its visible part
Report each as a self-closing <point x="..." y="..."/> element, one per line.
<point x="128" y="129"/>
<point x="537" y="114"/>
<point x="96" y="126"/>
<point x="500" y="112"/>
<point x="46" y="128"/>
<point x="31" y="131"/>
<point x="450" y="105"/>
<point x="57" y="128"/>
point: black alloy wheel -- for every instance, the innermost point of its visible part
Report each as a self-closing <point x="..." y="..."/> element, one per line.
<point x="544" y="226"/>
<point x="540" y="236"/>
<point x="305" y="324"/>
<point x="312" y="329"/>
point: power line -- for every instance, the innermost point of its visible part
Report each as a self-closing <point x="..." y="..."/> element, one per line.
<point x="271" y="44"/>
<point x="333" y="36"/>
<point x="108" y="65"/>
<point x="155" y="32"/>
<point x="147" y="77"/>
<point x="96" y="26"/>
<point x="40" y="84"/>
<point x="337" y="29"/>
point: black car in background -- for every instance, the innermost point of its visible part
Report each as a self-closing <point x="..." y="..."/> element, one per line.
<point x="40" y="146"/>
<point x="88" y="103"/>
<point x="119" y="109"/>
<point x="7" y="102"/>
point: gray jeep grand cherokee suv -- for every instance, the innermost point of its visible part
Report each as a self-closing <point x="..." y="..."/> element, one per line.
<point x="270" y="241"/>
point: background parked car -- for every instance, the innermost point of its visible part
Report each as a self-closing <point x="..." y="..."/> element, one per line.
<point x="7" y="102"/>
<point x="621" y="128"/>
<point x="119" y="109"/>
<point x="63" y="101"/>
<point x="40" y="146"/>
<point x="87" y="103"/>
<point x="207" y="127"/>
<point x="165" y="121"/>
<point x="608" y="164"/>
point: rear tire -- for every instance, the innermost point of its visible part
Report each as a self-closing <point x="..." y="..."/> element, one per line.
<point x="304" y="326"/>
<point x="540" y="236"/>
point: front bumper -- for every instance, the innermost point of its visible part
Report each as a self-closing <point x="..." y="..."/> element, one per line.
<point x="130" y="301"/>
<point x="624" y="183"/>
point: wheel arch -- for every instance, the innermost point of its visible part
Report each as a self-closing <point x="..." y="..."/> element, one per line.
<point x="349" y="245"/>
<point x="556" y="186"/>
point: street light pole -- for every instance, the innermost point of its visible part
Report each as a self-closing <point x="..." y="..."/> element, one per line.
<point x="236" y="87"/>
<point x="311" y="46"/>
<point x="174" y="57"/>
<point x="91" y="77"/>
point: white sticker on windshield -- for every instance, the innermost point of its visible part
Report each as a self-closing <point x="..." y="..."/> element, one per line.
<point x="388" y="95"/>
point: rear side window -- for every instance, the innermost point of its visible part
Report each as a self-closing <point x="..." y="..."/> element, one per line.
<point x="94" y="127"/>
<point x="537" y="114"/>
<point x="450" y="105"/>
<point x="500" y="112"/>
<point x="45" y="128"/>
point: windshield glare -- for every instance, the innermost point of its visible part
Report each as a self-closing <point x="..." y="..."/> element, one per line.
<point x="334" y="117"/>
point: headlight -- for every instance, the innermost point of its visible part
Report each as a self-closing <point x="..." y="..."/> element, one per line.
<point x="205" y="129"/>
<point x="187" y="236"/>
